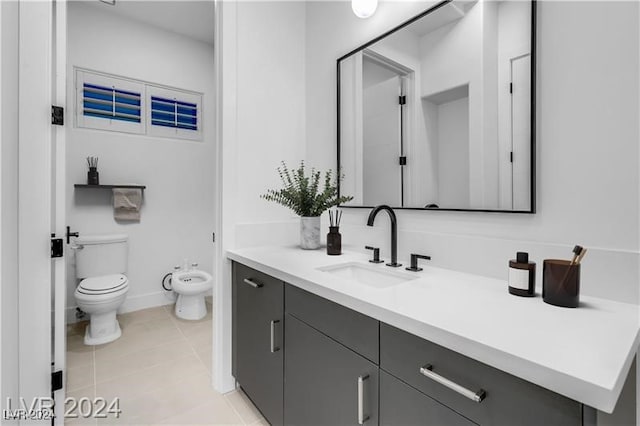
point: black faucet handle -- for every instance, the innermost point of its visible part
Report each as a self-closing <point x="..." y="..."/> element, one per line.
<point x="376" y="254"/>
<point x="414" y="262"/>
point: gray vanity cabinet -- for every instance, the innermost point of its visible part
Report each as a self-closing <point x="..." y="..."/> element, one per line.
<point x="325" y="382"/>
<point x="258" y="346"/>
<point x="304" y="360"/>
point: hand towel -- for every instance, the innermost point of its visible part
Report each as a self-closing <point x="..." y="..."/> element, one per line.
<point x="126" y="203"/>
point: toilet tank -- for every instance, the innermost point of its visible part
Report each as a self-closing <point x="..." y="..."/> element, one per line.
<point x="101" y="255"/>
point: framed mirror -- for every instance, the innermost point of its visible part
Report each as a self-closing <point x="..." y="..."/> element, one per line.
<point x="439" y="112"/>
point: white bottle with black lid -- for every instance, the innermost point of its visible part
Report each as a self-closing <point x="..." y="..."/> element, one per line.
<point x="522" y="276"/>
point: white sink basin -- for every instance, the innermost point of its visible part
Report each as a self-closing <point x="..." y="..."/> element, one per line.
<point x="376" y="276"/>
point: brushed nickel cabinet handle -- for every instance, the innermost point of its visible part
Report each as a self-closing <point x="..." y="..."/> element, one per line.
<point x="361" y="417"/>
<point x="474" y="396"/>
<point x="252" y="283"/>
<point x="274" y="348"/>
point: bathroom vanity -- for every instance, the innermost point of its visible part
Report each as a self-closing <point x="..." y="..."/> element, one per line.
<point x="313" y="344"/>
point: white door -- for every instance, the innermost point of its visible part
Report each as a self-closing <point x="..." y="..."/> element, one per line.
<point x="40" y="204"/>
<point x="381" y="143"/>
<point x="521" y="132"/>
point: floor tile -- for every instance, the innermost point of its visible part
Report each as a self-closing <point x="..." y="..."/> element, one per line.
<point x="160" y="369"/>
<point x="243" y="405"/>
<point x="144" y="315"/>
<point x="80" y="377"/>
<point x="117" y="366"/>
<point x="140" y="382"/>
<point x="77" y="358"/>
<point x="205" y="356"/>
<point x="215" y="412"/>
<point x="71" y="408"/>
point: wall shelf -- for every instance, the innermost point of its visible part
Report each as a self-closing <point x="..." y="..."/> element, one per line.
<point x="80" y="185"/>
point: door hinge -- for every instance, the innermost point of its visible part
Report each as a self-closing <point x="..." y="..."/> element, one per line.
<point x="56" y="380"/>
<point x="57" y="115"/>
<point x="402" y="100"/>
<point x="403" y="161"/>
<point x="511" y="157"/>
<point x="510" y="87"/>
<point x="213" y="237"/>
<point x="56" y="247"/>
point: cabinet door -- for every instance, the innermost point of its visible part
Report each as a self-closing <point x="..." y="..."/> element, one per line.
<point x="322" y="380"/>
<point x="258" y="348"/>
<point x="400" y="404"/>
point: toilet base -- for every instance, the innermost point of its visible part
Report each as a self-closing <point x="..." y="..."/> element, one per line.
<point x="191" y="307"/>
<point x="102" y="328"/>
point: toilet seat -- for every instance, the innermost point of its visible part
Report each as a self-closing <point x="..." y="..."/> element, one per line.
<point x="102" y="285"/>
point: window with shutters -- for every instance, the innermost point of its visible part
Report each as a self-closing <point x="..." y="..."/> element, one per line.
<point x="109" y="103"/>
<point x="106" y="102"/>
<point x="174" y="113"/>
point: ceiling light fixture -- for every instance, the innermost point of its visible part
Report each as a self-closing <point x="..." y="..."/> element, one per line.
<point x="364" y="8"/>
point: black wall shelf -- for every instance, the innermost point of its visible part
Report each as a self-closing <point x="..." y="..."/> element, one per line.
<point x="80" y="185"/>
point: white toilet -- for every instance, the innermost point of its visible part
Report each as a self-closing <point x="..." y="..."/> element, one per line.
<point x="101" y="262"/>
<point x="191" y="286"/>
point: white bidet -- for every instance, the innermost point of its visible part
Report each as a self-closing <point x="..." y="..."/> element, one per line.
<point x="191" y="287"/>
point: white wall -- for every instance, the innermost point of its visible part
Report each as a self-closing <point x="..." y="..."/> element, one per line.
<point x="262" y="64"/>
<point x="177" y="216"/>
<point x="9" y="359"/>
<point x="586" y="132"/>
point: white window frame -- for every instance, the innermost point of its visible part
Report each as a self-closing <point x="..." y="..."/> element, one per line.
<point x="179" y="95"/>
<point x="88" y="122"/>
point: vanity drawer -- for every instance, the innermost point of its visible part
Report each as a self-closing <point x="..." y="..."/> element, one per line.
<point x="354" y="330"/>
<point x="400" y="405"/>
<point x="507" y="399"/>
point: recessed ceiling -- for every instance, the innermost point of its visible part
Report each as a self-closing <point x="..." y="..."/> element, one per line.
<point x="445" y="15"/>
<point x="194" y="19"/>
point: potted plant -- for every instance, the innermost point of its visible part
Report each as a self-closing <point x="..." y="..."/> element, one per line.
<point x="304" y="195"/>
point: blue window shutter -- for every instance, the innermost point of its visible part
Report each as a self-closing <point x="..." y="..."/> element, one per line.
<point x="111" y="103"/>
<point x="174" y="113"/>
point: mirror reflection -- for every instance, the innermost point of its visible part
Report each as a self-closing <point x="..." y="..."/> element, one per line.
<point x="438" y="114"/>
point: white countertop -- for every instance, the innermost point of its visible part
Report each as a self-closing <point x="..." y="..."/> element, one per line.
<point x="583" y="353"/>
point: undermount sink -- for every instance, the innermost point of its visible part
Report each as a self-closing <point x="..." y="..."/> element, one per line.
<point x="370" y="275"/>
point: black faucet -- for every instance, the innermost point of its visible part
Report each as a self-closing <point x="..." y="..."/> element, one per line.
<point x="394" y="231"/>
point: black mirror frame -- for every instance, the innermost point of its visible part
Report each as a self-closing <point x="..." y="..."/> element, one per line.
<point x="533" y="112"/>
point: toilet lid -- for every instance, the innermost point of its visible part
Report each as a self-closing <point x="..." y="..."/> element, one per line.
<point x="103" y="284"/>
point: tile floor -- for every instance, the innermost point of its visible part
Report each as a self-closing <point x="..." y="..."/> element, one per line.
<point x="160" y="369"/>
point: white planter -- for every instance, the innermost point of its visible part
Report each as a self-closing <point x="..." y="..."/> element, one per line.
<point x="310" y="233"/>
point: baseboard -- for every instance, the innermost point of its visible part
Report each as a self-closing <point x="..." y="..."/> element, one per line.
<point x="133" y="303"/>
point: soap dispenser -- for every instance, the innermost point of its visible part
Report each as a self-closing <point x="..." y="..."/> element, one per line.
<point x="522" y="276"/>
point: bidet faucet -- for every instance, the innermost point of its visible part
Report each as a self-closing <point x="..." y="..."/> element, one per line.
<point x="394" y="231"/>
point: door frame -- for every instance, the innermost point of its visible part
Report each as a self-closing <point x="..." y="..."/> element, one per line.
<point x="59" y="194"/>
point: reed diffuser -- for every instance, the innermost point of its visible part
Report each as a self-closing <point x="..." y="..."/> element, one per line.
<point x="334" y="239"/>
<point x="93" y="178"/>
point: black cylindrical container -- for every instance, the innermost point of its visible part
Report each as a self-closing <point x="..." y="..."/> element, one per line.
<point x="334" y="241"/>
<point x="522" y="276"/>
<point x="93" y="178"/>
<point x="561" y="283"/>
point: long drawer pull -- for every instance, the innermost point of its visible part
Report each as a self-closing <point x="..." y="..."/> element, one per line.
<point x="474" y="396"/>
<point x="274" y="348"/>
<point x="361" y="417"/>
<point x="253" y="283"/>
